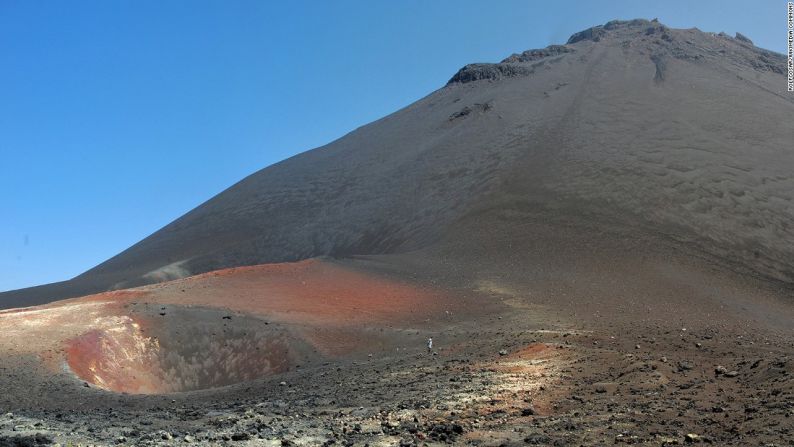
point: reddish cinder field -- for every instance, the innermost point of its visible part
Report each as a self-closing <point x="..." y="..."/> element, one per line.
<point x="311" y="291"/>
<point x="222" y="327"/>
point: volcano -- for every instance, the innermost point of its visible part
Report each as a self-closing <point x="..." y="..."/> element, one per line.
<point x="596" y="230"/>
<point x="679" y="132"/>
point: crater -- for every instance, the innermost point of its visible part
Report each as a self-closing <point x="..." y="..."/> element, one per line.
<point x="167" y="349"/>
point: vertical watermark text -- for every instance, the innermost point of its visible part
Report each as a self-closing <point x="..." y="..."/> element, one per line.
<point x="790" y="41"/>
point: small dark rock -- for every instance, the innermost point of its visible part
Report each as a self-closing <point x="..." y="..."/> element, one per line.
<point x="241" y="436"/>
<point x="537" y="439"/>
<point x="692" y="438"/>
<point x="445" y="432"/>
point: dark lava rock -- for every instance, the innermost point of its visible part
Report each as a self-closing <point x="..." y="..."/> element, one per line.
<point x="445" y="432"/>
<point x="768" y="61"/>
<point x="467" y="110"/>
<point x="241" y="436"/>
<point x="537" y="439"/>
<point x="593" y="34"/>
<point x="533" y="55"/>
<point x="477" y="72"/>
<point x="529" y="411"/>
<point x="25" y="441"/>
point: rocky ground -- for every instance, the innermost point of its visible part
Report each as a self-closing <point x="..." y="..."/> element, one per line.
<point x="591" y="343"/>
<point x="499" y="384"/>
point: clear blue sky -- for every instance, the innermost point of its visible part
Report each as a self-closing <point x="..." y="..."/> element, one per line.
<point x="117" y="117"/>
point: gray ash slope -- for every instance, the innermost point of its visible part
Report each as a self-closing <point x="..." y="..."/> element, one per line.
<point x="674" y="131"/>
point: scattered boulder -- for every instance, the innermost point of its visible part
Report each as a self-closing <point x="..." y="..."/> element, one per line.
<point x="242" y="436"/>
<point x="692" y="438"/>
<point x="445" y="432"/>
<point x="605" y="387"/>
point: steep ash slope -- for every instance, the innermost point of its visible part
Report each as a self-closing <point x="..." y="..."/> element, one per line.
<point x="678" y="132"/>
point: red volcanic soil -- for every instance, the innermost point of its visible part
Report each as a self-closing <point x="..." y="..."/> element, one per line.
<point x="224" y="327"/>
<point x="540" y="362"/>
<point x="96" y="357"/>
<point x="195" y="352"/>
<point x="311" y="291"/>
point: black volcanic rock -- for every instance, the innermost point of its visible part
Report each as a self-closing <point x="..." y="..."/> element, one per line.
<point x="597" y="32"/>
<point x="533" y="55"/>
<point x="512" y="66"/>
<point x="477" y="72"/>
<point x="593" y="34"/>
